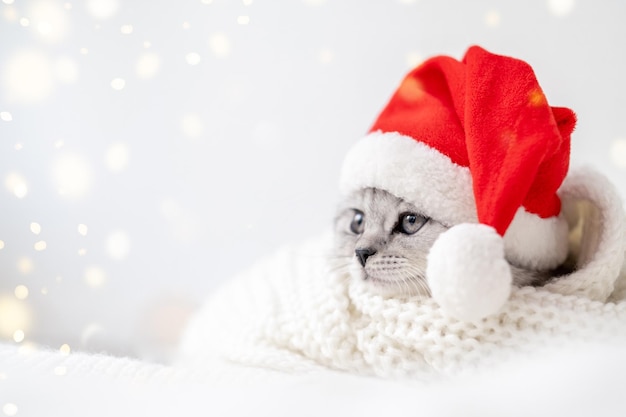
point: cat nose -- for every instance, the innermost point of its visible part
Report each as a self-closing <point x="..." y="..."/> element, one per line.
<point x="363" y="254"/>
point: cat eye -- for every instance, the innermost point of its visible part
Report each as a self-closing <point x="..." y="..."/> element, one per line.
<point x="410" y="223"/>
<point x="358" y="222"/>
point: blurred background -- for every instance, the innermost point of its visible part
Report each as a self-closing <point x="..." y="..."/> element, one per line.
<point x="150" y="150"/>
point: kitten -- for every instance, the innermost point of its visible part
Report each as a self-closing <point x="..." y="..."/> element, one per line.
<point x="384" y="240"/>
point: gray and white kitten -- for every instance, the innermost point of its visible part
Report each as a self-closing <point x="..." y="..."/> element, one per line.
<point x="385" y="240"/>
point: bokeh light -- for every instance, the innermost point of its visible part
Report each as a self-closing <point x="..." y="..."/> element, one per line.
<point x="25" y="265"/>
<point x="16" y="184"/>
<point x="118" y="83"/>
<point x="40" y="245"/>
<point x="561" y="8"/>
<point x="413" y="59"/>
<point x="18" y="336"/>
<point x="72" y="175"/>
<point x="16" y="317"/>
<point x="219" y="44"/>
<point x="325" y="55"/>
<point x="118" y="245"/>
<point x="10" y="409"/>
<point x="95" y="277"/>
<point x="126" y="29"/>
<point x="35" y="228"/>
<point x="9" y="13"/>
<point x="21" y="292"/>
<point x="147" y="65"/>
<point x="49" y="20"/>
<point x="193" y="58"/>
<point x="102" y="9"/>
<point x="117" y="157"/>
<point x="82" y="229"/>
<point x="618" y="153"/>
<point x="192" y="125"/>
<point x="27" y="76"/>
<point x="492" y="18"/>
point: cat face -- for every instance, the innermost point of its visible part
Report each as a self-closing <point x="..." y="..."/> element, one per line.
<point x="384" y="241"/>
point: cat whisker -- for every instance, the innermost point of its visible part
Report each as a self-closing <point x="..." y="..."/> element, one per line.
<point x="334" y="260"/>
<point x="341" y="268"/>
<point x="415" y="276"/>
<point x="409" y="284"/>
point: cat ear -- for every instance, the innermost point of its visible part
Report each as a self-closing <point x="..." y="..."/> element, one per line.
<point x="467" y="272"/>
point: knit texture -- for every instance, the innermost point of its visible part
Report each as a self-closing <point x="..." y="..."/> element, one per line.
<point x="292" y="314"/>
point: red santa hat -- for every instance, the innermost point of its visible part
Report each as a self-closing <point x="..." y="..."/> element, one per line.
<point x="474" y="145"/>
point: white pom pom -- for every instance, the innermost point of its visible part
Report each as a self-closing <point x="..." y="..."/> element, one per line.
<point x="467" y="272"/>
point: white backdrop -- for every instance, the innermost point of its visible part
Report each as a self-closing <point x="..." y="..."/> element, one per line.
<point x="149" y="150"/>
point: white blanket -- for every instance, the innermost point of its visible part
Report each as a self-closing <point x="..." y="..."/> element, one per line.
<point x="577" y="381"/>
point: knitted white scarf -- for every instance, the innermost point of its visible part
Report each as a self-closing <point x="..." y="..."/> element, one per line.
<point x="293" y="313"/>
